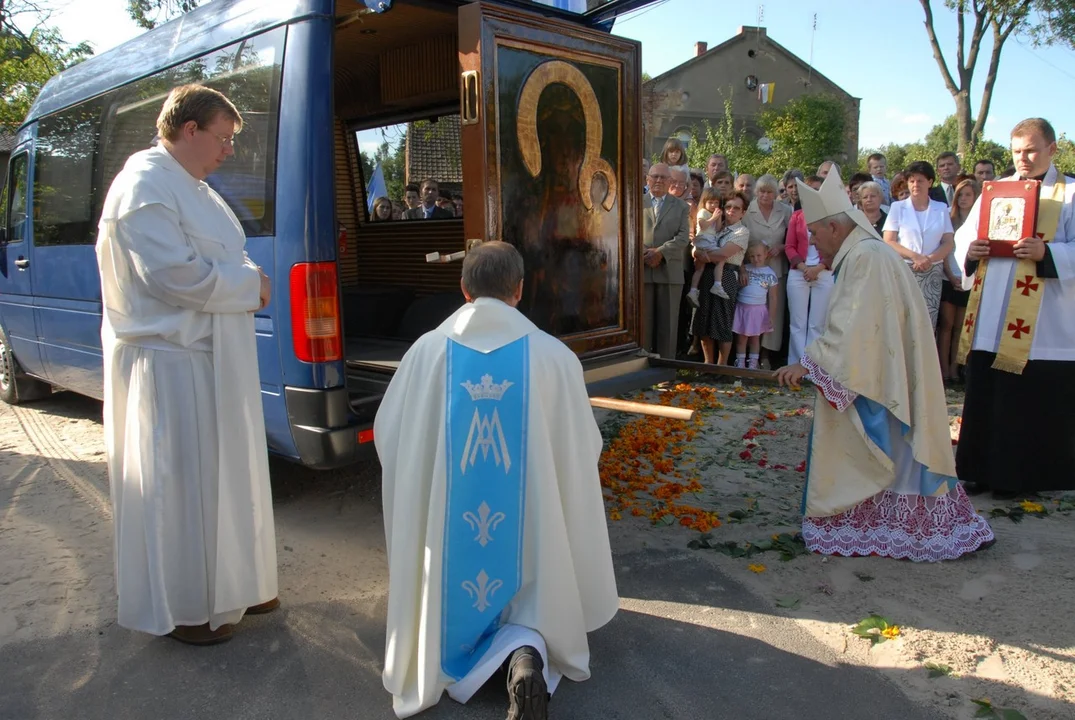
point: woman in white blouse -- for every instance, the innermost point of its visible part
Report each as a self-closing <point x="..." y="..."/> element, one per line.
<point x="920" y="230"/>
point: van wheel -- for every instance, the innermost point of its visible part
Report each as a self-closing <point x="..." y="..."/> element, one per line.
<point x="16" y="386"/>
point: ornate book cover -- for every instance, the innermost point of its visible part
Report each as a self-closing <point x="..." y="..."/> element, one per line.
<point x="1009" y="213"/>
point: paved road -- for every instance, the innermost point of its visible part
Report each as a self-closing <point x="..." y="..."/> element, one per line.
<point x="689" y="642"/>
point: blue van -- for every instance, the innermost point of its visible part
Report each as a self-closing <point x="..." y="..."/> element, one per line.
<point x="528" y="111"/>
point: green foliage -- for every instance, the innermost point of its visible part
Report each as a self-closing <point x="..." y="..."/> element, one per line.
<point x="150" y="13"/>
<point x="941" y="138"/>
<point x="937" y="670"/>
<point x="724" y="138"/>
<point x="804" y="132"/>
<point x="876" y="629"/>
<point x="26" y="64"/>
<point x="987" y="709"/>
<point x="1065" y="155"/>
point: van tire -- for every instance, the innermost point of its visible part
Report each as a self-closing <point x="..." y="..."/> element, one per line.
<point x="15" y="385"/>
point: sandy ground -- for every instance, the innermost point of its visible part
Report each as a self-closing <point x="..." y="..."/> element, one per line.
<point x="997" y="619"/>
<point x="698" y="636"/>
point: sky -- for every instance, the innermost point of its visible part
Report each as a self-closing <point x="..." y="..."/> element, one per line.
<point x="875" y="50"/>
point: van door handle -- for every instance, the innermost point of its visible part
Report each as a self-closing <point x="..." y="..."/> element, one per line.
<point x="22" y="263"/>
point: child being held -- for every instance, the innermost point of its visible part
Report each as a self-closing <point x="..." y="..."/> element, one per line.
<point x="757" y="299"/>
<point x="710" y="220"/>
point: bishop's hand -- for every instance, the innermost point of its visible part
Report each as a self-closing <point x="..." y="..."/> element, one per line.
<point x="791" y="375"/>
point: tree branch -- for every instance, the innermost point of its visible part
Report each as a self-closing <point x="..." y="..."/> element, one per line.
<point x="960" y="9"/>
<point x="1001" y="33"/>
<point x="937" y="54"/>
<point x="981" y="18"/>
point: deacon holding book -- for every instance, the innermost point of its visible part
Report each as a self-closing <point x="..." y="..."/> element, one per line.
<point x="1018" y="343"/>
<point x="498" y="550"/>
<point x="880" y="473"/>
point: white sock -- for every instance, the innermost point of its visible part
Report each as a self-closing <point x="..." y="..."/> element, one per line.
<point x="752" y="361"/>
<point x="740" y="360"/>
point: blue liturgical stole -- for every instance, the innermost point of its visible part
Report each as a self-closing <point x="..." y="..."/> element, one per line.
<point x="487" y="411"/>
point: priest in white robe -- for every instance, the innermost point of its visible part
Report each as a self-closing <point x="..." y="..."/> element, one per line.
<point x="497" y="542"/>
<point x="1018" y="339"/>
<point x="184" y="432"/>
<point x="880" y="477"/>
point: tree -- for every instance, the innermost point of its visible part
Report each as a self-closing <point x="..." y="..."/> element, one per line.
<point x="1045" y="22"/>
<point x="723" y="138"/>
<point x="29" y="59"/>
<point x="149" y="13"/>
<point x="941" y="138"/>
<point x="1065" y="155"/>
<point x="804" y="132"/>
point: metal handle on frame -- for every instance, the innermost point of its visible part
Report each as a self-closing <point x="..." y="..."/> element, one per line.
<point x="22" y="263"/>
<point x="471" y="98"/>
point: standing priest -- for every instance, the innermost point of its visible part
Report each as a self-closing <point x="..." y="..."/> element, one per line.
<point x="187" y="460"/>
<point x="1018" y="433"/>
<point x="495" y="526"/>
<point x="880" y="476"/>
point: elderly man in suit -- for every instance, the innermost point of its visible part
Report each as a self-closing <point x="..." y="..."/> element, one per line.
<point x="429" y="210"/>
<point x="665" y="235"/>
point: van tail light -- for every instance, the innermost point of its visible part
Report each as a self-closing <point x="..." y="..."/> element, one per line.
<point x="315" y="312"/>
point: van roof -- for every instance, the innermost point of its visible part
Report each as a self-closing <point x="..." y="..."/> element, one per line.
<point x="214" y="25"/>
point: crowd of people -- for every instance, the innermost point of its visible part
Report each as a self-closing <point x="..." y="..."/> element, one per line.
<point x="727" y="214"/>
<point x="420" y="202"/>
<point x="497" y="546"/>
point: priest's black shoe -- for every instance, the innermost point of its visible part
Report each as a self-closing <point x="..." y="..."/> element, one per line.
<point x="527" y="692"/>
<point x="972" y="488"/>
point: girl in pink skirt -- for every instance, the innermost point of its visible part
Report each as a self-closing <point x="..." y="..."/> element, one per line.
<point x="757" y="298"/>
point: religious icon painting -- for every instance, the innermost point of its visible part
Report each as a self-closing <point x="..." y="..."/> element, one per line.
<point x="1009" y="212"/>
<point x="555" y="138"/>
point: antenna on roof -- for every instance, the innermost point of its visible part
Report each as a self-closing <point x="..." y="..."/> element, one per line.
<point x="810" y="65"/>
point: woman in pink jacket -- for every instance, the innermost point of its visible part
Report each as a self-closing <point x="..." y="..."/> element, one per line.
<point x="809" y="282"/>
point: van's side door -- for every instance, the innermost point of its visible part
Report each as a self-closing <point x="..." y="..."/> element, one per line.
<point x="16" y="267"/>
<point x="552" y="163"/>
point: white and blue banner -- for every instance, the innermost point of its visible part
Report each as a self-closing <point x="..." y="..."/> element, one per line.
<point x="487" y="411"/>
<point x="376" y="188"/>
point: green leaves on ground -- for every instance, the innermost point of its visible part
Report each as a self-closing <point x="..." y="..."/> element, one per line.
<point x="1016" y="513"/>
<point x="789" y="601"/>
<point x="876" y="629"/>
<point x="789" y="546"/>
<point x="937" y="670"/>
<point x="987" y="709"/>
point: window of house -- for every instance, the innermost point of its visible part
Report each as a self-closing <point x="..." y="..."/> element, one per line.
<point x="412" y="170"/>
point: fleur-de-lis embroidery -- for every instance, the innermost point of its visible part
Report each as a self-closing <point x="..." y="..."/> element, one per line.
<point x="484" y="522"/>
<point x="482" y="591"/>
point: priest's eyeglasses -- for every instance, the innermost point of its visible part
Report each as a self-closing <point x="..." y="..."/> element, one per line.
<point x="224" y="140"/>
